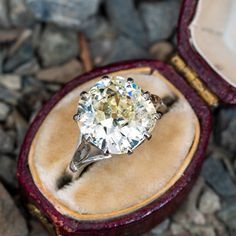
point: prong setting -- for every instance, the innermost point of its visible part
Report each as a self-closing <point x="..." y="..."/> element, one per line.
<point x="73" y="167"/>
<point x="105" y="77"/>
<point x="84" y="95"/>
<point x="157" y="115"/>
<point x="76" y="117"/>
<point x="147" y="95"/>
<point x="130" y="151"/>
<point x="147" y="135"/>
<point x="130" y="80"/>
<point x="106" y="151"/>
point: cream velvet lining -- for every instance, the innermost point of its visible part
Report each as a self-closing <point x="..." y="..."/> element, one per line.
<point x="120" y="184"/>
<point x="213" y="34"/>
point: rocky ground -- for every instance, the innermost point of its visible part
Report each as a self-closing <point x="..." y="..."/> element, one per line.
<point x="41" y="49"/>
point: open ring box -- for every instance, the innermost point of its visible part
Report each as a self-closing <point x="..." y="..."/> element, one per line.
<point x="128" y="196"/>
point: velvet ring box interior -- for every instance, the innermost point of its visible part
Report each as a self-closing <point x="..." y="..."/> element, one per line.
<point x="129" y="195"/>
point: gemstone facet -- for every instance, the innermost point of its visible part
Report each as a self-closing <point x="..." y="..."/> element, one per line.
<point x="115" y="115"/>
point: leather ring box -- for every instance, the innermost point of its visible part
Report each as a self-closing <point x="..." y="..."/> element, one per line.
<point x="128" y="196"/>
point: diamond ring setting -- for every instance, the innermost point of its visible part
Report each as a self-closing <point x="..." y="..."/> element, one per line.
<point x="114" y="117"/>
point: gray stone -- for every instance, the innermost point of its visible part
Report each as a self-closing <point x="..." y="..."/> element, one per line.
<point x="11" y="81"/>
<point x="21" y="56"/>
<point x="37" y="229"/>
<point x="161" y="228"/>
<point x="201" y="230"/>
<point x="62" y="12"/>
<point x="228" y="134"/>
<point x="6" y="141"/>
<point x="29" y="68"/>
<point x="188" y="212"/>
<point x="20" y="14"/>
<point x="57" y="45"/>
<point x="4" y="111"/>
<point x="4" y="20"/>
<point x="21" y="127"/>
<point x="2" y="56"/>
<point x="35" y="94"/>
<point x="161" y="50"/>
<point x="209" y="202"/>
<point x="11" y="221"/>
<point x="228" y="215"/>
<point x="125" y="49"/>
<point x="8" y="36"/>
<point x="8" y="96"/>
<point x="178" y="229"/>
<point x="36" y="33"/>
<point x="125" y="17"/>
<point x="97" y="27"/>
<point x="62" y="73"/>
<point x="100" y="48"/>
<point x="218" y="178"/>
<point x="160" y="18"/>
<point x="8" y="170"/>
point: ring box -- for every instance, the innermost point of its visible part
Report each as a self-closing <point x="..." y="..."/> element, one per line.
<point x="129" y="196"/>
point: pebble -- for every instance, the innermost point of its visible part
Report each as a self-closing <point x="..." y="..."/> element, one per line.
<point x="6" y="141"/>
<point x="201" y="231"/>
<point x="178" y="229"/>
<point x="57" y="45"/>
<point x="29" y="68"/>
<point x="100" y="49"/>
<point x="62" y="12"/>
<point x="31" y="100"/>
<point x="37" y="229"/>
<point x="160" y="18"/>
<point x="23" y="37"/>
<point x="11" y="81"/>
<point x="120" y="13"/>
<point x="2" y="57"/>
<point x="161" y="50"/>
<point x="22" y="55"/>
<point x="61" y="74"/>
<point x="21" y="127"/>
<point x="209" y="202"/>
<point x="9" y="35"/>
<point x="223" y="121"/>
<point x="8" y="96"/>
<point x="4" y="111"/>
<point x="4" y="19"/>
<point x="11" y="221"/>
<point x="228" y="134"/>
<point x="7" y="167"/>
<point x="218" y="178"/>
<point x="228" y="215"/>
<point x="125" y="49"/>
<point x="188" y="212"/>
<point x="20" y="15"/>
<point x="98" y="27"/>
<point x="161" y="228"/>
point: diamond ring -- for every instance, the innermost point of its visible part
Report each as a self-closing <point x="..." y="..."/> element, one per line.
<point x="114" y="116"/>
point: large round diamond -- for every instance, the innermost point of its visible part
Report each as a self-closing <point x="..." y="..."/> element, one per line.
<point x="115" y="115"/>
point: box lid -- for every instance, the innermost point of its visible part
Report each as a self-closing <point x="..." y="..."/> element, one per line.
<point x="206" y="41"/>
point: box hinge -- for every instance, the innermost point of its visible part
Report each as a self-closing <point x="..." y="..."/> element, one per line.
<point x="194" y="80"/>
<point x="37" y="213"/>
